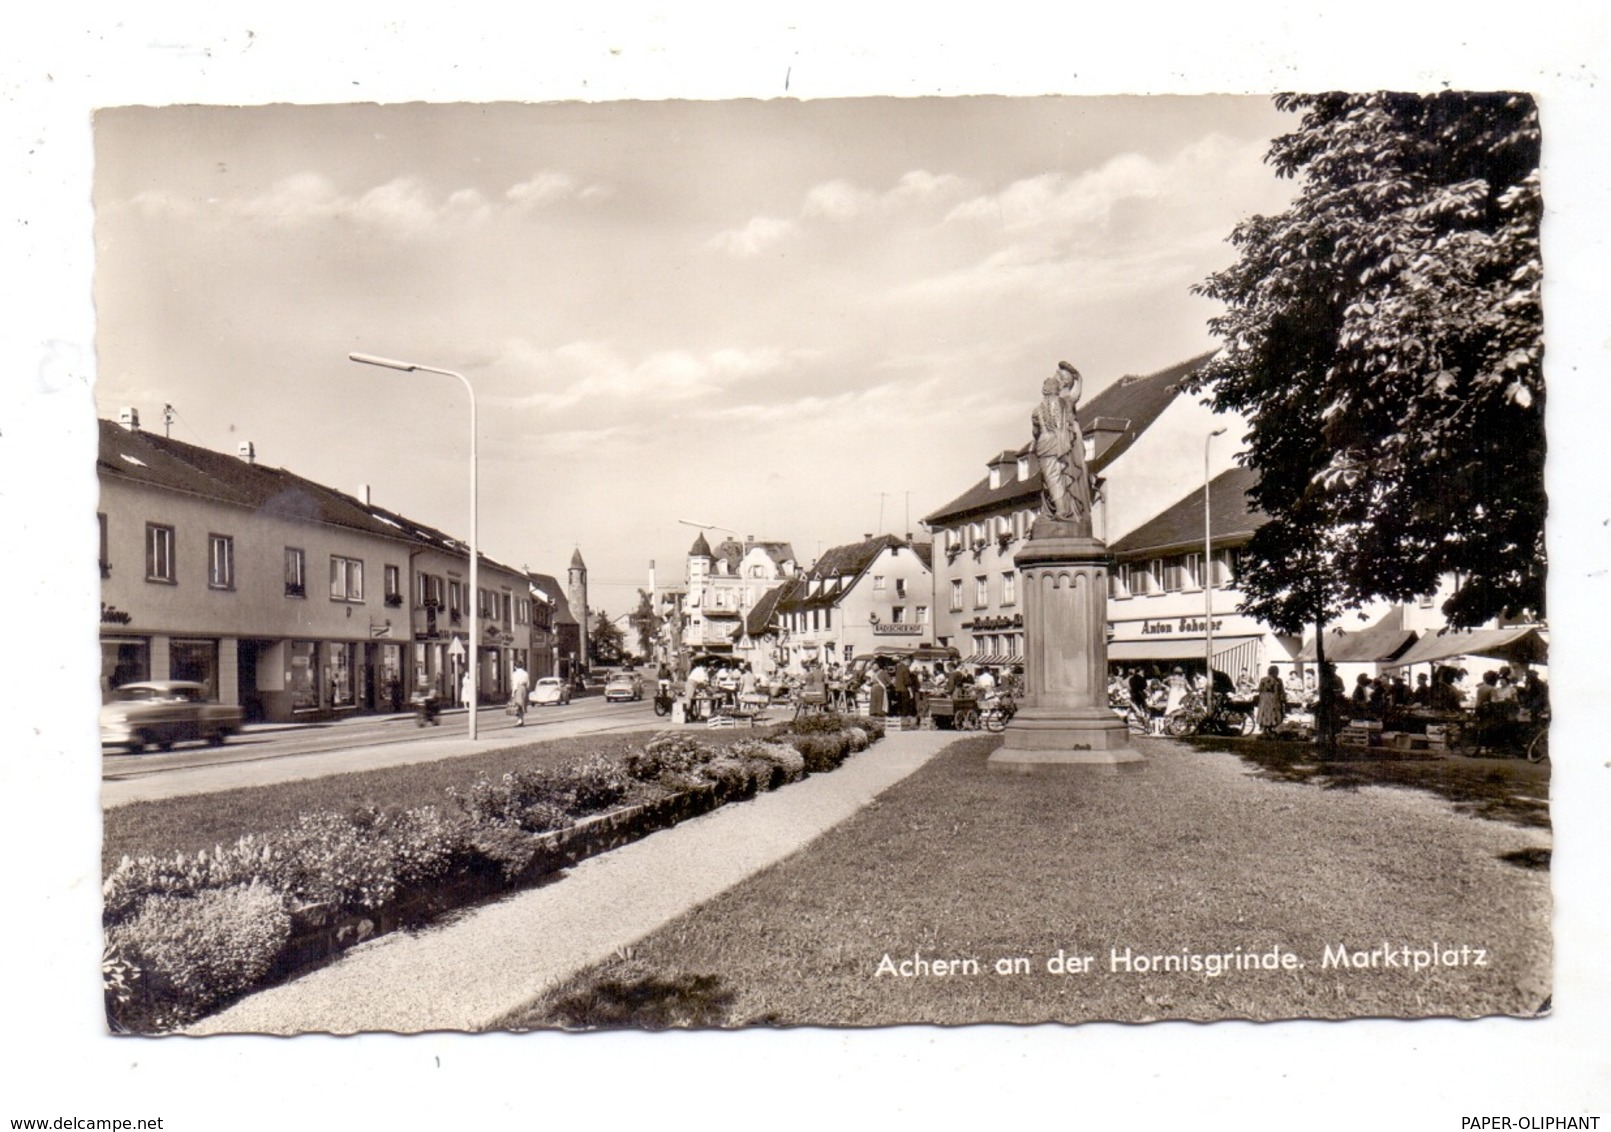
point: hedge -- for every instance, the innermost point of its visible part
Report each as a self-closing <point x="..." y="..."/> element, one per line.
<point x="185" y="934"/>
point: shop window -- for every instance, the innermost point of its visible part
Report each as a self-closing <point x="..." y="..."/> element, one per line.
<point x="221" y="562"/>
<point x="159" y="554"/>
<point x="296" y="572"/>
<point x="124" y="661"/>
<point x="346" y="579"/>
<point x="195" y="660"/>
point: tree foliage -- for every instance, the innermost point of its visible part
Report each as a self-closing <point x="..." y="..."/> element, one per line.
<point x="647" y="623"/>
<point x="1384" y="335"/>
<point x="605" y="644"/>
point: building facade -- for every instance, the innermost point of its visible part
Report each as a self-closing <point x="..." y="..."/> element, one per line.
<point x="1144" y="439"/>
<point x="879" y="591"/>
<point x="284" y="596"/>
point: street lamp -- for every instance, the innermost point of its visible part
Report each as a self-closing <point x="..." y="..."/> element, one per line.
<point x="475" y="578"/>
<point x="1208" y="581"/>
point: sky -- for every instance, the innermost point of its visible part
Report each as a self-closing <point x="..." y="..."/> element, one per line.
<point x="798" y="320"/>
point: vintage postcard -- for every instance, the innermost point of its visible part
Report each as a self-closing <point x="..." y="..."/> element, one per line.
<point x="865" y="575"/>
<point x="944" y="560"/>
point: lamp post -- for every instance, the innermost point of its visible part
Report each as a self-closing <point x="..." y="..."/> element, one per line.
<point x="1208" y="581"/>
<point x="475" y="577"/>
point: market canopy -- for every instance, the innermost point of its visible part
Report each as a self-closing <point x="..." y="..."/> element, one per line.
<point x="1525" y="644"/>
<point x="1176" y="648"/>
<point x="1375" y="644"/>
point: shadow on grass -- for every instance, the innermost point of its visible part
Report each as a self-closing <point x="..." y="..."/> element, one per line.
<point x="1528" y="859"/>
<point x="649" y="1003"/>
<point x="1508" y="790"/>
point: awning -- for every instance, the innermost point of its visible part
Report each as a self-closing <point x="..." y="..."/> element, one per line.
<point x="1524" y="645"/>
<point x="1375" y="644"/>
<point x="1179" y="648"/>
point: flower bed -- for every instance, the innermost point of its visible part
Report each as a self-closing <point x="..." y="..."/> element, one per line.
<point x="186" y="934"/>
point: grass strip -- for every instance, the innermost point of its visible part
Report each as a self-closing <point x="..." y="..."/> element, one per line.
<point x="195" y="822"/>
<point x="1192" y="857"/>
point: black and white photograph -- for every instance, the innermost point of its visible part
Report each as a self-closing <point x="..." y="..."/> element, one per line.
<point x="787" y="570"/>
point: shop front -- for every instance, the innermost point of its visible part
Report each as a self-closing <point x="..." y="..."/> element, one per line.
<point x="1241" y="646"/>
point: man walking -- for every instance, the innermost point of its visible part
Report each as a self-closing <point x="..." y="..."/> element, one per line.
<point x="521" y="693"/>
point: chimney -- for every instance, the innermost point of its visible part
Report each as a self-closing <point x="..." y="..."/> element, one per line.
<point x="129" y="418"/>
<point x="247" y="451"/>
<point x="363" y="494"/>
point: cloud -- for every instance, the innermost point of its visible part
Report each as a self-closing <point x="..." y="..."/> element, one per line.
<point x="590" y="372"/>
<point x="402" y="208"/>
<point x="752" y="239"/>
<point x="842" y="202"/>
<point x="551" y="187"/>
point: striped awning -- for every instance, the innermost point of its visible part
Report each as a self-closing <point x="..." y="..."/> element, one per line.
<point x="993" y="658"/>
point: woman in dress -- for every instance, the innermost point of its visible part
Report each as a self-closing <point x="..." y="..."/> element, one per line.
<point x="1272" y="702"/>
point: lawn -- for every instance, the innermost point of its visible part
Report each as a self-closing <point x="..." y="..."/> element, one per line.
<point x="1504" y="789"/>
<point x="948" y="899"/>
<point x="195" y="822"/>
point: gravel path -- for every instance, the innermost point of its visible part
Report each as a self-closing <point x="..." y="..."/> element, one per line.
<point x="471" y="969"/>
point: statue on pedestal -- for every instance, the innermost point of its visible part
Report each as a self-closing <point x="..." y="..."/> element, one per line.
<point x="1066" y="488"/>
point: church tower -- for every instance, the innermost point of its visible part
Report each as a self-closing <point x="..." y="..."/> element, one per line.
<point x="576" y="594"/>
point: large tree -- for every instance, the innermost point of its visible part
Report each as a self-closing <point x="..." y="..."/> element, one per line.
<point x="1384" y="335"/>
<point x="605" y="643"/>
<point x="647" y="623"/>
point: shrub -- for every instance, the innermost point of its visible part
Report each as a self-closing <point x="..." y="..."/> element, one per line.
<point x="858" y="739"/>
<point x="823" y="752"/>
<point x="732" y="776"/>
<point x="670" y="754"/>
<point x="784" y="762"/>
<point x="193" y="952"/>
<point x="818" y="723"/>
<point x="533" y="800"/>
<point x="596" y="783"/>
<point x="136" y="878"/>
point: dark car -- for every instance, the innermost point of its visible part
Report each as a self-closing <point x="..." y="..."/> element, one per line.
<point x="160" y="713"/>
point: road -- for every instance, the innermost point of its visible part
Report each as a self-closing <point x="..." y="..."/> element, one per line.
<point x="269" y="753"/>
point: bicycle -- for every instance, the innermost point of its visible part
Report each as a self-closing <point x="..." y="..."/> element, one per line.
<point x="998" y="712"/>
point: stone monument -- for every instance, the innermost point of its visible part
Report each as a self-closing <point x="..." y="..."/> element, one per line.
<point x="1065" y="723"/>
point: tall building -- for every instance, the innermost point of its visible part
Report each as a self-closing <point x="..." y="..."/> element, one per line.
<point x="576" y="593"/>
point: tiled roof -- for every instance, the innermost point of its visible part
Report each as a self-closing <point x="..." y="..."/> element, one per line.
<point x="556" y="593"/>
<point x="701" y="548"/>
<point x="1181" y="524"/>
<point x="160" y="461"/>
<point x="850" y="561"/>
<point x="1129" y="405"/>
<point x="759" y="619"/>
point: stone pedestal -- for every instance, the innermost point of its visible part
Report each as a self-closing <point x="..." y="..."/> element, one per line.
<point x="1065" y="723"/>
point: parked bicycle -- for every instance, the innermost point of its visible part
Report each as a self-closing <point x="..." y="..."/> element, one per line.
<point x="1193" y="717"/>
<point x="997" y="711"/>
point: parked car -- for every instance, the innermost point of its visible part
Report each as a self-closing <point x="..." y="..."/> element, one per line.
<point x="550" y="690"/>
<point x="624" y="686"/>
<point x="160" y="713"/>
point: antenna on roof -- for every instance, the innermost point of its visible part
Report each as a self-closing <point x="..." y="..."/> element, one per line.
<point x="167" y="420"/>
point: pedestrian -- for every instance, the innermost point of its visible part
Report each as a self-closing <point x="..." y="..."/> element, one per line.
<point x="520" y="694"/>
<point x="1272" y="707"/>
<point x="466" y="690"/>
<point x="901" y="701"/>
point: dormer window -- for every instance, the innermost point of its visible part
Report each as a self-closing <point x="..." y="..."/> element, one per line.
<point x="998" y="475"/>
<point x="1024" y="471"/>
